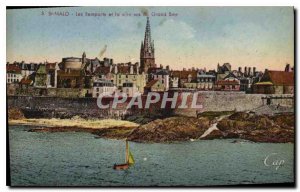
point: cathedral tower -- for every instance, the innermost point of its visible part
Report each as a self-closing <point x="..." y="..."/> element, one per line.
<point x="147" y="59"/>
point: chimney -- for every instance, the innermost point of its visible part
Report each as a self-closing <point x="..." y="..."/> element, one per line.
<point x="131" y="69"/>
<point x="249" y="71"/>
<point x="287" y="68"/>
<point x="240" y="69"/>
<point x="254" y="71"/>
<point x="116" y="69"/>
<point x="245" y="71"/>
<point x="137" y="67"/>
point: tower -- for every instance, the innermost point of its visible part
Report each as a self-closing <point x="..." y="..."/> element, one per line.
<point x="147" y="59"/>
<point x="83" y="58"/>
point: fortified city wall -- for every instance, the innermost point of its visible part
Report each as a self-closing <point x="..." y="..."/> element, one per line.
<point x="49" y="107"/>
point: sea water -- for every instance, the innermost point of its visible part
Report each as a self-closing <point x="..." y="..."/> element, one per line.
<point x="79" y="159"/>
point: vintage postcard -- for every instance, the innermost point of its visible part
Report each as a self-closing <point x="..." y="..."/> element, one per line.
<point x="150" y="96"/>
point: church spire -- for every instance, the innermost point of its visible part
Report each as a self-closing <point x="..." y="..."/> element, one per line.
<point x="147" y="49"/>
<point x="147" y="39"/>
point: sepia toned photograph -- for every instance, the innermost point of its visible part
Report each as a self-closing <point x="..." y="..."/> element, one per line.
<point x="150" y="96"/>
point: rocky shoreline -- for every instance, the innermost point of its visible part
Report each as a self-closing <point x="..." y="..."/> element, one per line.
<point x="211" y="125"/>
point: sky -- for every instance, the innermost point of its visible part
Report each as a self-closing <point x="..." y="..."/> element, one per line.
<point x="201" y="37"/>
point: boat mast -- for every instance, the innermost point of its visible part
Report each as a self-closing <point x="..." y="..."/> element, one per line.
<point x="126" y="155"/>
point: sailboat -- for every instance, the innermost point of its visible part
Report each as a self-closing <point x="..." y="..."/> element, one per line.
<point x="129" y="160"/>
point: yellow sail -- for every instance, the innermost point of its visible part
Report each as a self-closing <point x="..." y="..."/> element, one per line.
<point x="130" y="159"/>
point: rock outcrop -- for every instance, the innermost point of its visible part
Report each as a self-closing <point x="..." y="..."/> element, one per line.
<point x="248" y="126"/>
<point x="259" y="128"/>
<point x="170" y="129"/>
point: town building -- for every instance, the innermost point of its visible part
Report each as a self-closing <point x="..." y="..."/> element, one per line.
<point x="161" y="75"/>
<point x="72" y="73"/>
<point x="129" y="73"/>
<point x="174" y="82"/>
<point x="26" y="82"/>
<point x="103" y="86"/>
<point x="154" y="86"/>
<point x="51" y="70"/>
<point x="41" y="77"/>
<point x="227" y="85"/>
<point x="275" y="82"/>
<point x="191" y="85"/>
<point x="205" y="81"/>
<point x="184" y="77"/>
<point x="129" y="89"/>
<point x="223" y="71"/>
<point x="13" y="74"/>
<point x="27" y="68"/>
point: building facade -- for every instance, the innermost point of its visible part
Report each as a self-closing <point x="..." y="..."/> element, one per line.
<point x="13" y="74"/>
<point x="205" y="81"/>
<point x="41" y="77"/>
<point x="154" y="86"/>
<point x="103" y="86"/>
<point x="275" y="82"/>
<point x="129" y="89"/>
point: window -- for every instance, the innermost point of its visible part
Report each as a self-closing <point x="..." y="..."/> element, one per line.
<point x="97" y="89"/>
<point x="97" y="94"/>
<point x="126" y="76"/>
